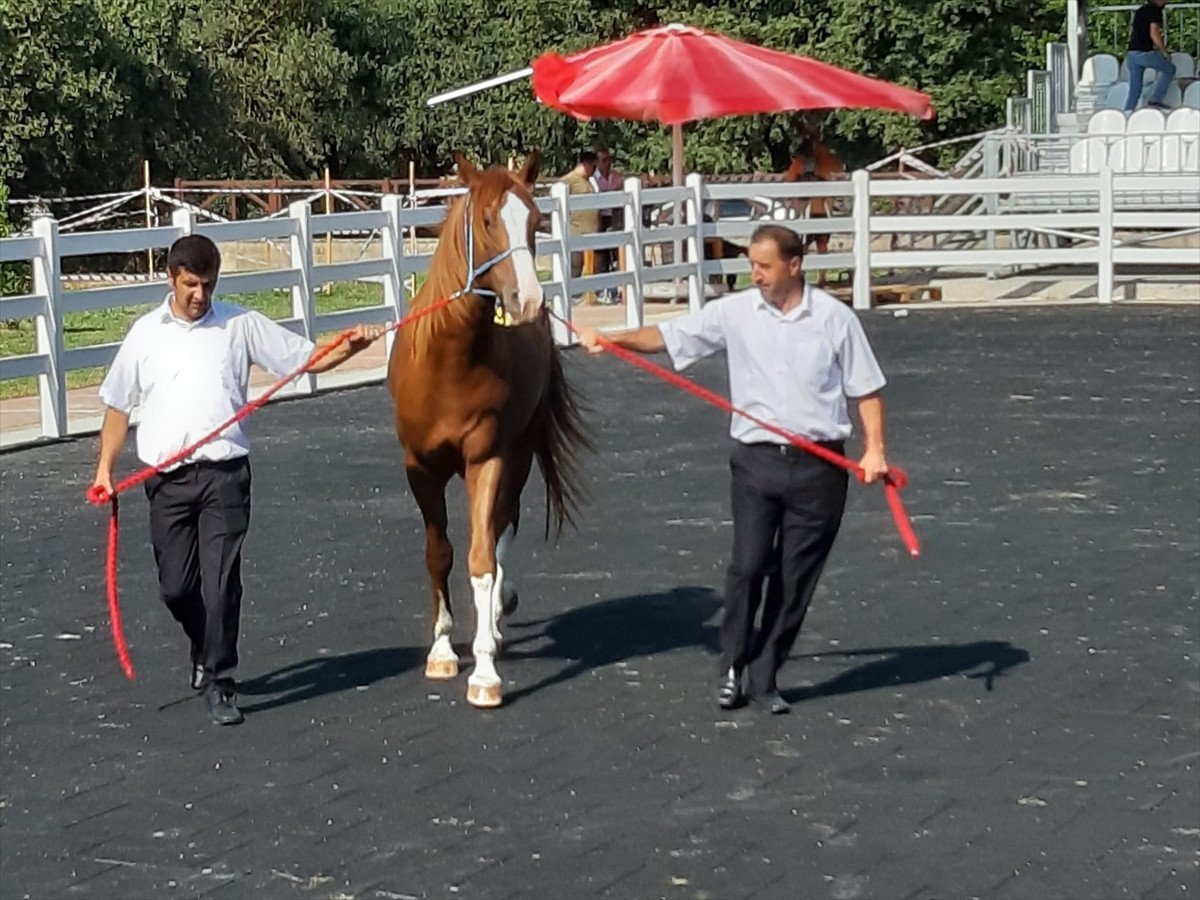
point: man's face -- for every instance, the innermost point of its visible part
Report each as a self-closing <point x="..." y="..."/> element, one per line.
<point x="589" y="168"/>
<point x="604" y="162"/>
<point x="770" y="272"/>
<point x="193" y="293"/>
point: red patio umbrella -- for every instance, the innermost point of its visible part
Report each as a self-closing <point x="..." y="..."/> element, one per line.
<point x="676" y="74"/>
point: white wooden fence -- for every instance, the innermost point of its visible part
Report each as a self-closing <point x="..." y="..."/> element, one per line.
<point x="1084" y="229"/>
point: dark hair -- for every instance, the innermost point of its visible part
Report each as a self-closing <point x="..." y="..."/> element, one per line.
<point x="789" y="243"/>
<point x="196" y="253"/>
<point x="587" y="156"/>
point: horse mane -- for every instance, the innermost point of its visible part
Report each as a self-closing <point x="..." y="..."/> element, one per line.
<point x="448" y="268"/>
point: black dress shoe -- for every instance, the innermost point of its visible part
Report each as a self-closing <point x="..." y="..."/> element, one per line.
<point x="729" y="689"/>
<point x="222" y="706"/>
<point x="773" y="702"/>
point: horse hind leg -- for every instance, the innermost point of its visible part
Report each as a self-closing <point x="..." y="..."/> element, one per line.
<point x="516" y="474"/>
<point x="508" y="586"/>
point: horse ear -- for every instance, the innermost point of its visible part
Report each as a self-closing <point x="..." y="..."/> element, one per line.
<point x="467" y="173"/>
<point x="529" y="171"/>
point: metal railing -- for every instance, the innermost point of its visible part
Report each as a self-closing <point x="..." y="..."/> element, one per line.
<point x="1108" y="28"/>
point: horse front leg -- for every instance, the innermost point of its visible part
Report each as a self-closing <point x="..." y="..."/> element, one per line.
<point x="430" y="492"/>
<point x="483" y="484"/>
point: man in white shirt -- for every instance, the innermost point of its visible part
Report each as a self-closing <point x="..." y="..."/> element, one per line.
<point x="795" y="355"/>
<point x="187" y="363"/>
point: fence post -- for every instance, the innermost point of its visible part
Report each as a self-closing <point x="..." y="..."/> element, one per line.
<point x="303" y="302"/>
<point x="635" y="301"/>
<point x="560" y="261"/>
<point x="1105" y="269"/>
<point x="183" y="220"/>
<point x="861" y="179"/>
<point x="52" y="386"/>
<point x="695" y="241"/>
<point x="991" y="169"/>
<point x="392" y="239"/>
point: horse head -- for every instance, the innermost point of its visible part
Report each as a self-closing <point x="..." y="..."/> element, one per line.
<point x="498" y="223"/>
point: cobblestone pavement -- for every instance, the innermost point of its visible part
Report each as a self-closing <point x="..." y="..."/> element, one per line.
<point x="1014" y="714"/>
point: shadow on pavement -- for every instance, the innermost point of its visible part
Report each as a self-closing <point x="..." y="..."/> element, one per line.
<point x="913" y="664"/>
<point x="324" y="675"/>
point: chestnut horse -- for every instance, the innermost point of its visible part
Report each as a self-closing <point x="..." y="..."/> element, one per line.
<point x="813" y="161"/>
<point x="479" y="392"/>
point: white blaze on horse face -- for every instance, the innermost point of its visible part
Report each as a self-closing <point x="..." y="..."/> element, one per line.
<point x="515" y="216"/>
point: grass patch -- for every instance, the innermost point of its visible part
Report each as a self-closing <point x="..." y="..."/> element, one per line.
<point x="108" y="326"/>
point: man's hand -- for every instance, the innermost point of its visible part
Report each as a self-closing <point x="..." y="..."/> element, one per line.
<point x="103" y="481"/>
<point x="874" y="465"/>
<point x="364" y="336"/>
<point x="589" y="338"/>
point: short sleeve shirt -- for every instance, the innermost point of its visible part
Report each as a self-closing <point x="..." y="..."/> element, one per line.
<point x="794" y="370"/>
<point x="189" y="377"/>
<point x="1139" y="34"/>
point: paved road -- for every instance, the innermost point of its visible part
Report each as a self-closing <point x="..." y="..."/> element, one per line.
<point x="1015" y="714"/>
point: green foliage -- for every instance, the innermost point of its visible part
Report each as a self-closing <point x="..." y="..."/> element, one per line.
<point x="245" y="88"/>
<point x="14" y="277"/>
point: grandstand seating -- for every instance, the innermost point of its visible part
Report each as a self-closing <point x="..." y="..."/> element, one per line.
<point x="1147" y="141"/>
<point x="1104" y="84"/>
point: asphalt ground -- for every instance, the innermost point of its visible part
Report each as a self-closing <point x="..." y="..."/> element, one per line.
<point x="1014" y="714"/>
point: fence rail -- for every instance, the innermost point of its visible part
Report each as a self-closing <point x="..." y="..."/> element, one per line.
<point x="1014" y="228"/>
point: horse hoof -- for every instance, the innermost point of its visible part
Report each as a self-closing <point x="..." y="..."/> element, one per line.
<point x="441" y="669"/>
<point x="484" y="696"/>
<point x="508" y="603"/>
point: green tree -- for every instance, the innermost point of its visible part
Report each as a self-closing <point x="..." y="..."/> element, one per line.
<point x="243" y="88"/>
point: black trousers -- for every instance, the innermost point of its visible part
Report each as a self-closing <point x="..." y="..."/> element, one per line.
<point x="787" y="507"/>
<point x="199" y="514"/>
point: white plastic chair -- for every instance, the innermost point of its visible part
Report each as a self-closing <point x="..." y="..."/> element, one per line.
<point x="1185" y="66"/>
<point x="1184" y="120"/>
<point x="1087" y="156"/>
<point x="1174" y="96"/>
<point x="1115" y="98"/>
<point x="1100" y="69"/>
<point x="1181" y="146"/>
<point x="1142" y="146"/>
<point x="1191" y="97"/>
<point x="1106" y="121"/>
<point x="1116" y="155"/>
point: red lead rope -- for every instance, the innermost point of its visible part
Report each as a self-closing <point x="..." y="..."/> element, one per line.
<point x="893" y="482"/>
<point x="100" y="496"/>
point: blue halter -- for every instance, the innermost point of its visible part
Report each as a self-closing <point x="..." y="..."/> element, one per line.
<point x="500" y="316"/>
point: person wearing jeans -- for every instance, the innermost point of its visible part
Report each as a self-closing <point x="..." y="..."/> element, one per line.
<point x="1148" y="50"/>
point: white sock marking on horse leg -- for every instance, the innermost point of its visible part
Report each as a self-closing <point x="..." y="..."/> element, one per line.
<point x="442" y="648"/>
<point x="484" y="645"/>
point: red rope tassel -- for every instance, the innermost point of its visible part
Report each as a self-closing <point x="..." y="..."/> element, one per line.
<point x="114" y="605"/>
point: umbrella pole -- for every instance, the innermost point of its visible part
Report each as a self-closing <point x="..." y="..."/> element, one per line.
<point x="677" y="180"/>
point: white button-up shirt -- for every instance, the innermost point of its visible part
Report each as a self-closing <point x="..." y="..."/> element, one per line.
<point x="793" y="370"/>
<point x="189" y="377"/>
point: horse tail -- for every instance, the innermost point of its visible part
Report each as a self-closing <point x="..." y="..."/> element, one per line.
<point x="560" y="439"/>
